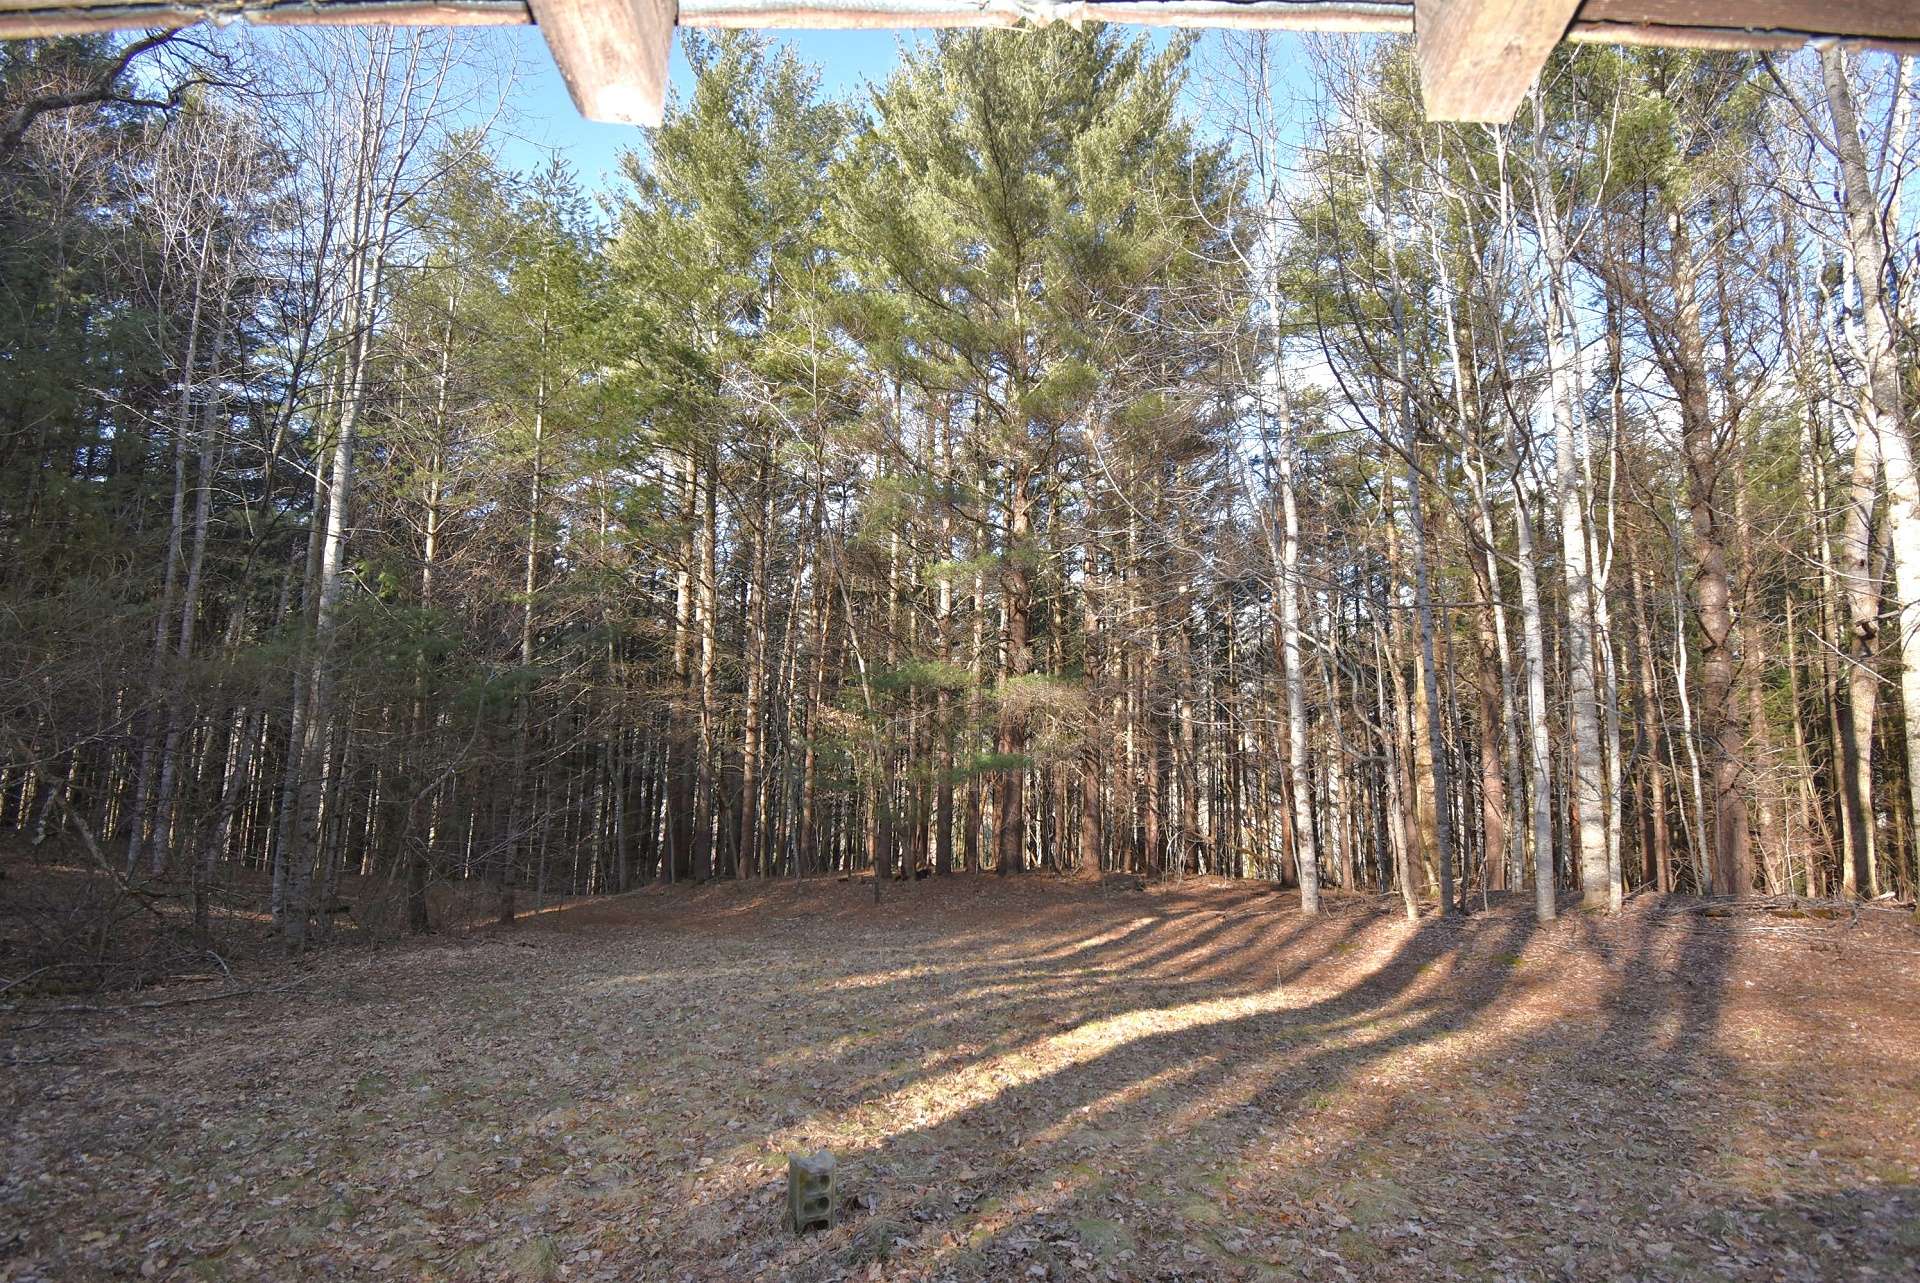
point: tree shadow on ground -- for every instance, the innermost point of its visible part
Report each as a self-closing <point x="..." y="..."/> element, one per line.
<point x="1143" y="1085"/>
<point x="984" y="1006"/>
<point x="1217" y="1149"/>
<point x="1147" y="1101"/>
<point x="1168" y="1092"/>
<point x="1463" y="1108"/>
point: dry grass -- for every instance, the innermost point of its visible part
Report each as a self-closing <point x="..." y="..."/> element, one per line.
<point x="1036" y="1081"/>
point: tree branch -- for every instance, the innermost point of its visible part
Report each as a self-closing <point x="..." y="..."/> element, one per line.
<point x="101" y="89"/>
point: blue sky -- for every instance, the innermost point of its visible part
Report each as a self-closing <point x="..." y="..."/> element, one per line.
<point x="539" y="118"/>
<point x="847" y="60"/>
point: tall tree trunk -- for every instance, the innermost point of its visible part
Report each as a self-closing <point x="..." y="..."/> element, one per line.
<point x="1583" y="719"/>
<point x="1540" y="762"/>
<point x="1685" y="362"/>
<point x="1292" y="657"/>
<point x="1880" y="403"/>
<point x="751" y="749"/>
<point x="682" y="745"/>
<point x="1651" y="723"/>
<point x="1009" y="813"/>
<point x="707" y="796"/>
<point x="316" y="749"/>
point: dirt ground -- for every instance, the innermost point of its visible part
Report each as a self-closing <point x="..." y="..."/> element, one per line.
<point x="1035" y="1081"/>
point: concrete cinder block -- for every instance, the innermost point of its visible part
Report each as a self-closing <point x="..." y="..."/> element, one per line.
<point x="810" y="1191"/>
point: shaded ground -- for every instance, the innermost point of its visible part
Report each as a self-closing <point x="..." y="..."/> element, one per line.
<point x="1030" y="1082"/>
<point x="64" y="928"/>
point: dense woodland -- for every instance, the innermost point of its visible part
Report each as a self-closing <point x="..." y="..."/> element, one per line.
<point x="1078" y="454"/>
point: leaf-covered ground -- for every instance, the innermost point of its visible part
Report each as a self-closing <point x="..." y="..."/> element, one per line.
<point x="1036" y="1081"/>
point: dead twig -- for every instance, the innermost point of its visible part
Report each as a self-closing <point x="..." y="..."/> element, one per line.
<point x="13" y="984"/>
<point x="73" y="1009"/>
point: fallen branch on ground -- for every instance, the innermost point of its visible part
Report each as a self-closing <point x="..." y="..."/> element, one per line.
<point x="84" y="1008"/>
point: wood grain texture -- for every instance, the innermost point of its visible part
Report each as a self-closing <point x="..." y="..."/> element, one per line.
<point x="1782" y="25"/>
<point x="1886" y="19"/>
<point x="612" y="54"/>
<point x="1478" y="57"/>
<point x="37" y="21"/>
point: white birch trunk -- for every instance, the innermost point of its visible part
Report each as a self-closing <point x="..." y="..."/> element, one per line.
<point x="1881" y="411"/>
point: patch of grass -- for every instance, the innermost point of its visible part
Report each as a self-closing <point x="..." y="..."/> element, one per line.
<point x="1355" y="1246"/>
<point x="1201" y="1209"/>
<point x="537" y="1260"/>
<point x="1376" y="1202"/>
<point x="1278" y="1273"/>
<point x="1103" y="1239"/>
<point x="875" y="1241"/>
<point x="334" y="1211"/>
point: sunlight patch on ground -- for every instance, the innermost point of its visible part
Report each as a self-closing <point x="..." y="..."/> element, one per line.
<point x="1196" y="1094"/>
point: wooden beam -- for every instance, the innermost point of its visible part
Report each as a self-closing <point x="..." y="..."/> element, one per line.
<point x="1866" y="19"/>
<point x="1892" y="26"/>
<point x="1478" y="58"/>
<point x="1727" y="39"/>
<point x="612" y="54"/>
<point x="38" y="18"/>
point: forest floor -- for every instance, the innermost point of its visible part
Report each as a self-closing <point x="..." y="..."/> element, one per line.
<point x="1021" y="1082"/>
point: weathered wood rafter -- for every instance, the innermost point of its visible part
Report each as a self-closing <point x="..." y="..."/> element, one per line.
<point x="1473" y="52"/>
<point x="612" y="54"/>
<point x="1479" y="57"/>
